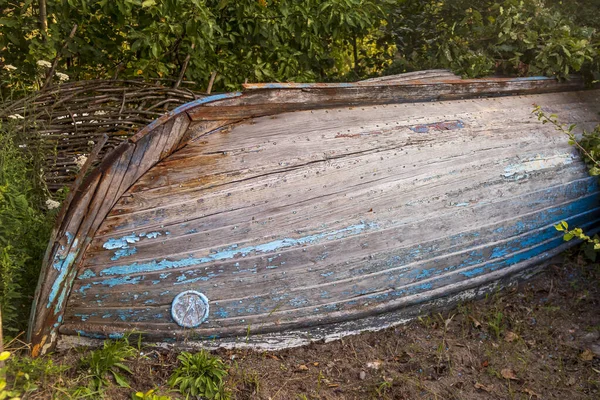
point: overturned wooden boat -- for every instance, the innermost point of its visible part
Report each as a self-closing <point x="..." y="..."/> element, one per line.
<point x="297" y="212"/>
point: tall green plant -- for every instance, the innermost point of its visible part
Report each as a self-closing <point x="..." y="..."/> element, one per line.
<point x="24" y="228"/>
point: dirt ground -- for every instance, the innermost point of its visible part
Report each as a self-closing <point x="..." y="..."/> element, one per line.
<point x="540" y="340"/>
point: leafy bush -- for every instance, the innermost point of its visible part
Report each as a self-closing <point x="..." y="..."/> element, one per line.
<point x="245" y="39"/>
<point x="200" y="374"/>
<point x="25" y="227"/>
<point x="477" y="38"/>
<point x="590" y="246"/>
<point x="5" y="393"/>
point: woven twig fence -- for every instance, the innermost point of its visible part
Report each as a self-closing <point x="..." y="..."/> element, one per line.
<point x="66" y="122"/>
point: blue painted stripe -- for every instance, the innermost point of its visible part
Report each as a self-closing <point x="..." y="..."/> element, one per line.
<point x="233" y="251"/>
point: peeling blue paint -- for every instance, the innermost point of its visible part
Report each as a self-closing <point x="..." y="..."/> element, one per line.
<point x="126" y="280"/>
<point x="193" y="280"/>
<point x="62" y="265"/>
<point x="121" y="243"/>
<point x="233" y="251"/>
<point x="83" y="288"/>
<point x="536" y="163"/>
<point x="123" y="253"/>
<point x="88" y="273"/>
<point x="115" y="336"/>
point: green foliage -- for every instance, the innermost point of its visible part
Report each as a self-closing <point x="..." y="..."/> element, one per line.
<point x="5" y="393"/>
<point x="591" y="245"/>
<point x="589" y="147"/>
<point x="477" y="38"/>
<point x="108" y="361"/>
<point x="590" y="142"/>
<point x="25" y="227"/>
<point x="200" y="374"/>
<point x="26" y="374"/>
<point x="496" y="324"/>
<point x="149" y="395"/>
<point x="255" y="40"/>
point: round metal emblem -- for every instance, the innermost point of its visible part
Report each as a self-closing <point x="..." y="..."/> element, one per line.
<point x="189" y="309"/>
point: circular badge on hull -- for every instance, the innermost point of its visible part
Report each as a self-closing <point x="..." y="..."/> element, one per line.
<point x="189" y="309"/>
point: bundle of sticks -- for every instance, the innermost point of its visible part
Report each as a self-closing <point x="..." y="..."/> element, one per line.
<point x="66" y="122"/>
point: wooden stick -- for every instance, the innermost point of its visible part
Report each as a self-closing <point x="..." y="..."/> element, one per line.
<point x="1" y="341"/>
<point x="183" y="68"/>
<point x="210" y="83"/>
<point x="43" y="20"/>
<point x="55" y="62"/>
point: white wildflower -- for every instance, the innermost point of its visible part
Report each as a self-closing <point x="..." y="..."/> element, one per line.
<point x="80" y="161"/>
<point x="9" y="67"/>
<point x="100" y="112"/>
<point x="62" y="77"/>
<point x="16" y="116"/>
<point x="52" y="204"/>
<point x="44" y="63"/>
<point x="91" y="143"/>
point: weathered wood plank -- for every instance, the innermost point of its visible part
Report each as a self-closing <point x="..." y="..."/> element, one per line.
<point x="273" y="318"/>
<point x="237" y="166"/>
<point x="99" y="193"/>
<point x="278" y="98"/>
<point x="432" y="75"/>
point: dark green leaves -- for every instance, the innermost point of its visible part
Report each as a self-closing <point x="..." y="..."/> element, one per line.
<point x="477" y="38"/>
<point x="200" y="375"/>
<point x="254" y="40"/>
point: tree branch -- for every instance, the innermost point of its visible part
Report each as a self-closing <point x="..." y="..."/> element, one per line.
<point x="55" y="62"/>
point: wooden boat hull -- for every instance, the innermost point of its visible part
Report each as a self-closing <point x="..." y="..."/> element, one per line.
<point x="272" y="222"/>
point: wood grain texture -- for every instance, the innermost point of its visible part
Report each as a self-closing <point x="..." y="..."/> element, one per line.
<point x="306" y="219"/>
